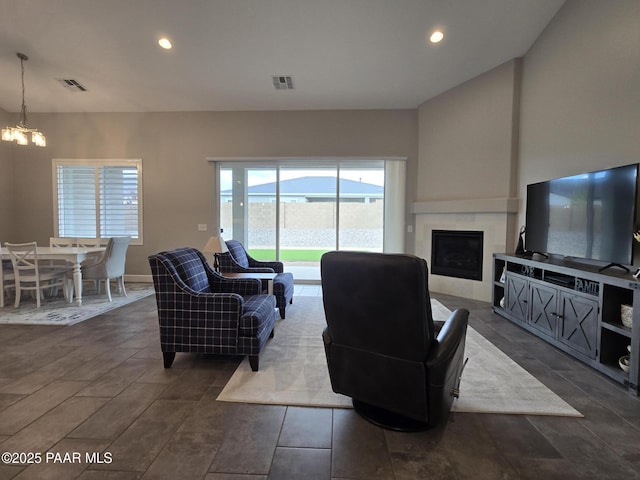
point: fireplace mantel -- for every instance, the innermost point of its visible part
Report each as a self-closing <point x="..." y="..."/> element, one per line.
<point x="471" y="205"/>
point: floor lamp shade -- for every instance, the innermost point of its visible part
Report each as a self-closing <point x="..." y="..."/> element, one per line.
<point x="215" y="245"/>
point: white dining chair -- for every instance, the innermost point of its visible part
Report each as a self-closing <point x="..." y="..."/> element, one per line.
<point x="61" y="242"/>
<point x="90" y="242"/>
<point x="110" y="266"/>
<point x="7" y="278"/>
<point x="30" y="276"/>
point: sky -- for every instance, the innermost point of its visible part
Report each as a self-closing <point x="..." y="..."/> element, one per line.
<point x="260" y="176"/>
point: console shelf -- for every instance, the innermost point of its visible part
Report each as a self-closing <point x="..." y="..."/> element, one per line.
<point x="574" y="307"/>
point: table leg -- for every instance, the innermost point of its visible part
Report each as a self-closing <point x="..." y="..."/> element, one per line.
<point x="77" y="282"/>
<point x="270" y="287"/>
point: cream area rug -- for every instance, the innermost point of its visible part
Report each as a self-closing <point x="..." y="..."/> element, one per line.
<point x="293" y="371"/>
<point x="57" y="311"/>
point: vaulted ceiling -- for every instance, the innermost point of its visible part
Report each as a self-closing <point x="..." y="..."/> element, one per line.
<point x="342" y="54"/>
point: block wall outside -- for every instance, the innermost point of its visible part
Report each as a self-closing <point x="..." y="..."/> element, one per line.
<point x="312" y="225"/>
<point x="310" y="215"/>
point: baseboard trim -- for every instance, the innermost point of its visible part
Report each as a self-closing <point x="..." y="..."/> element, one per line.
<point x="138" y="278"/>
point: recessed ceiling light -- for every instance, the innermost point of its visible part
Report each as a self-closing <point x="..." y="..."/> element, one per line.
<point x="436" y="36"/>
<point x="165" y="43"/>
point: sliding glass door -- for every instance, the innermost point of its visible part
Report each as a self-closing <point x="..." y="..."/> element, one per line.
<point x="294" y="212"/>
<point x="308" y="210"/>
<point x="361" y="207"/>
<point x="248" y="208"/>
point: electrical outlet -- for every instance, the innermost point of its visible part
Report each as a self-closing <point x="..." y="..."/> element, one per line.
<point x="409" y="228"/>
<point x="202" y="227"/>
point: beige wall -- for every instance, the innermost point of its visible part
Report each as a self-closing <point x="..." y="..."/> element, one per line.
<point x="468" y="138"/>
<point x="177" y="178"/>
<point x="6" y="182"/>
<point x="581" y="92"/>
<point x="467" y="169"/>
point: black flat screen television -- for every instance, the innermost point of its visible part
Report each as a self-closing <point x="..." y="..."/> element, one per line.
<point x="588" y="216"/>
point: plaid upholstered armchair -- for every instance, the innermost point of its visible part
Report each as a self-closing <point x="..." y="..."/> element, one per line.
<point x="238" y="260"/>
<point x="200" y="311"/>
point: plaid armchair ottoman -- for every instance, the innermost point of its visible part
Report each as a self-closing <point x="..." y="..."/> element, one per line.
<point x="238" y="260"/>
<point x="202" y="312"/>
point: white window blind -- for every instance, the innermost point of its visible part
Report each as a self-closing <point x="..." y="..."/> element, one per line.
<point x="98" y="198"/>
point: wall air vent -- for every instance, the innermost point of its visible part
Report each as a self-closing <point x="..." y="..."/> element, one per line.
<point x="71" y="84"/>
<point x="283" y="82"/>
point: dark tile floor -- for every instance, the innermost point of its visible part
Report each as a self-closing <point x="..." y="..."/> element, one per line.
<point x="98" y="389"/>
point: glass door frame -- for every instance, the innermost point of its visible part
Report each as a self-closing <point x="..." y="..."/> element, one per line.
<point x="393" y="241"/>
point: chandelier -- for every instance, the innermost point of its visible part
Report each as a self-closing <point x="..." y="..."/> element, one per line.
<point x="20" y="133"/>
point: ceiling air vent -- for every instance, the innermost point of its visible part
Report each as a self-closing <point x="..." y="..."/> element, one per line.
<point x="283" y="82"/>
<point x="71" y="84"/>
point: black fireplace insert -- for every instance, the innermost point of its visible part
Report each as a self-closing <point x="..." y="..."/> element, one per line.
<point x="457" y="253"/>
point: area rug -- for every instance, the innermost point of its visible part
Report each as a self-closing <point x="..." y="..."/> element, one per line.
<point x="293" y="371"/>
<point x="57" y="311"/>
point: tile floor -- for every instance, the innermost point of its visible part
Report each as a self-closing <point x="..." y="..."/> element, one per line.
<point x="98" y="389"/>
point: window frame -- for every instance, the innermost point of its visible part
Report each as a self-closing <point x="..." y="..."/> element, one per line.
<point x="98" y="163"/>
<point x="394" y="217"/>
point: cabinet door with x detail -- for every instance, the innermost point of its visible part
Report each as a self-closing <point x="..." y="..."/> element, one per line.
<point x="517" y="297"/>
<point x="579" y="323"/>
<point x="544" y="308"/>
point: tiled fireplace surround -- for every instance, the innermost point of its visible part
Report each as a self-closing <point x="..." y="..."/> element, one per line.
<point x="495" y="217"/>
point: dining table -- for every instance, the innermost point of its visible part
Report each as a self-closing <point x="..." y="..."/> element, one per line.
<point x="72" y="255"/>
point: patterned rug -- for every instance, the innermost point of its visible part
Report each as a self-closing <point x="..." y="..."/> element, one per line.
<point x="293" y="371"/>
<point x="57" y="311"/>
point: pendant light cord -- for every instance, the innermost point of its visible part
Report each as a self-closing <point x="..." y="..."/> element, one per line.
<point x="23" y="121"/>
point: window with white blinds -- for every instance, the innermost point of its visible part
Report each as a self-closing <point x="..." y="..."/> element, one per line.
<point x="98" y="198"/>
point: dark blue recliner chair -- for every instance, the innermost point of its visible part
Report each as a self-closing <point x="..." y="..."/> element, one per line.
<point x="401" y="369"/>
